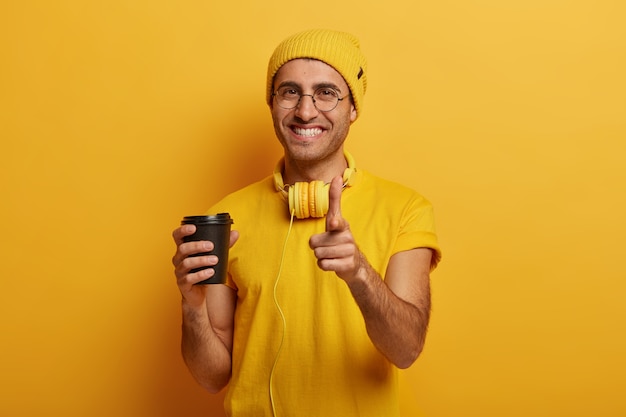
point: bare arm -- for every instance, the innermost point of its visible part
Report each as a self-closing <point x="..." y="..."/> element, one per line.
<point x="396" y="310"/>
<point x="208" y="314"/>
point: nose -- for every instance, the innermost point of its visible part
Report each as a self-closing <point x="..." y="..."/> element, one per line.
<point x="306" y="109"/>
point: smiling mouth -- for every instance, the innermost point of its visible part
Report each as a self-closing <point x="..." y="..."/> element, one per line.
<point x="307" y="133"/>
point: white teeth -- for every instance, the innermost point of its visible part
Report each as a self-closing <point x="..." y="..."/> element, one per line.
<point x="307" y="132"/>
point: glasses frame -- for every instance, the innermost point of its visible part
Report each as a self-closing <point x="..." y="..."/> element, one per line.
<point x="300" y="95"/>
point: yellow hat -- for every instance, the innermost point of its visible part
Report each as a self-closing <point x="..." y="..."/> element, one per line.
<point x="340" y="50"/>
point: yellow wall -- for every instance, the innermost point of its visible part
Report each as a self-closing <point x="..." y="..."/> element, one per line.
<point x="119" y="117"/>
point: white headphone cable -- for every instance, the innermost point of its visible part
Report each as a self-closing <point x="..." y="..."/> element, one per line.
<point x="280" y="311"/>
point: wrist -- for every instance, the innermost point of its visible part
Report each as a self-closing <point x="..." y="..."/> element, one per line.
<point x="193" y="310"/>
<point x="362" y="274"/>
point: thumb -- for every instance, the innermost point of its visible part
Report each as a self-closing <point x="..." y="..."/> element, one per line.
<point x="334" y="221"/>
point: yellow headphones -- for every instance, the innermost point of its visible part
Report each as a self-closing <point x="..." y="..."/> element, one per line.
<point x="309" y="199"/>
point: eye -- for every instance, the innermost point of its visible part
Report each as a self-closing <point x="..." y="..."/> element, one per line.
<point x="326" y="94"/>
<point x="288" y="92"/>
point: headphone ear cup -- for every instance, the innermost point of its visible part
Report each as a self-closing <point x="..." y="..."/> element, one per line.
<point x="308" y="199"/>
<point x="318" y="198"/>
<point x="321" y="198"/>
<point x="299" y="200"/>
<point x="304" y="201"/>
<point x="312" y="200"/>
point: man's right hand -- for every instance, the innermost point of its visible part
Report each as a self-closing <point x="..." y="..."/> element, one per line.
<point x="194" y="295"/>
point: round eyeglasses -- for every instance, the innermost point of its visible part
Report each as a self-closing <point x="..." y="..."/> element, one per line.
<point x="324" y="98"/>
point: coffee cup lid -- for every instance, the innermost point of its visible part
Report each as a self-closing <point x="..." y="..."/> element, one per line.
<point x="219" y="218"/>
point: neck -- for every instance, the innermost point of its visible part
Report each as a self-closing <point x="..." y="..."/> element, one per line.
<point x="307" y="171"/>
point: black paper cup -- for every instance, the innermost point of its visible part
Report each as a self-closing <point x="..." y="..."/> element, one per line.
<point x="214" y="228"/>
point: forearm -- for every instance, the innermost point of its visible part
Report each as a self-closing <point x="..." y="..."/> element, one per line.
<point x="396" y="327"/>
<point x="206" y="355"/>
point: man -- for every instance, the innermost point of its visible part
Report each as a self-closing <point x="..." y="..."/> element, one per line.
<point x="319" y="311"/>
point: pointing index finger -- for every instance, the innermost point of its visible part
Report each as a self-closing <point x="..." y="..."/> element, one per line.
<point x="334" y="220"/>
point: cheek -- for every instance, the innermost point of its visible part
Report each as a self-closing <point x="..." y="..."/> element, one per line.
<point x="341" y="128"/>
<point x="277" y="119"/>
<point x="275" y="116"/>
<point x="278" y="114"/>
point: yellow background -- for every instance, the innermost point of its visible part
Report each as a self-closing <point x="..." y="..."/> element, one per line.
<point x="119" y="117"/>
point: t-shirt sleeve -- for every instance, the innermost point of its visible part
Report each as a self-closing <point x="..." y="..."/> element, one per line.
<point x="417" y="229"/>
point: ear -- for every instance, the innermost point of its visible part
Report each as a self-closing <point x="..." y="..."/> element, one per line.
<point x="353" y="113"/>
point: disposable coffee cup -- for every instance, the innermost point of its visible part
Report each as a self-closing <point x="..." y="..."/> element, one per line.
<point x="214" y="228"/>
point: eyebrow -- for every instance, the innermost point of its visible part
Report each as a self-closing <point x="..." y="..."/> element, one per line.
<point x="315" y="87"/>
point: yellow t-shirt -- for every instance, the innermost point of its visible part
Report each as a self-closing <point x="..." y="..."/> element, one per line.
<point x="320" y="360"/>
